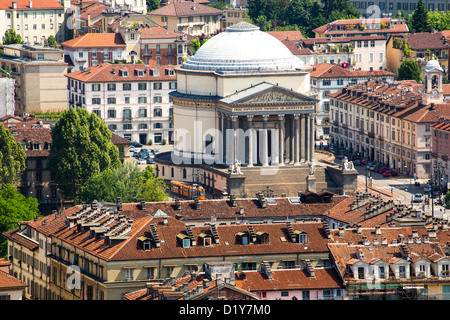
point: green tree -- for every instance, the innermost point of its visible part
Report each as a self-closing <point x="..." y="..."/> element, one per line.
<point x="81" y="147"/>
<point x="221" y="5"/>
<point x="127" y="182"/>
<point x="197" y="43"/>
<point x="153" y="188"/>
<point x="14" y="207"/>
<point x="263" y="23"/>
<point x="152" y="5"/>
<point x="12" y="157"/>
<point x="419" y="21"/>
<point x="409" y="70"/>
<point x="51" y="41"/>
<point x="11" y="37"/>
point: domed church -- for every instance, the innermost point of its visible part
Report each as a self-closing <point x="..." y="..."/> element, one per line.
<point x="243" y="116"/>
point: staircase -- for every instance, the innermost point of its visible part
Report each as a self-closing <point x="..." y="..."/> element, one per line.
<point x="287" y="179"/>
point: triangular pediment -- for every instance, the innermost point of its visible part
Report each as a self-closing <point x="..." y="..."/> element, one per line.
<point x="266" y="93"/>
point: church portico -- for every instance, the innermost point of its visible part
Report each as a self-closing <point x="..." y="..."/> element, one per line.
<point x="245" y="112"/>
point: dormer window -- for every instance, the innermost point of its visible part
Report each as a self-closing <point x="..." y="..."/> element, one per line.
<point x="36" y="146"/>
<point x="140" y="73"/>
<point x="124" y="73"/>
<point x="243" y="238"/>
<point x="145" y="242"/>
<point x="184" y="240"/>
<point x="206" y="239"/>
<point x="303" y="238"/>
<point x="171" y="72"/>
<point x="156" y="73"/>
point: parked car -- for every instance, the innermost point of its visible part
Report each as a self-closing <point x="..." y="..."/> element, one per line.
<point x="142" y="161"/>
<point x="372" y="167"/>
<point x="132" y="149"/>
<point x="357" y="162"/>
<point x="137" y="144"/>
<point x="418" y="197"/>
<point x="136" y="154"/>
<point x="393" y="173"/>
<point x="150" y="161"/>
<point x="386" y="173"/>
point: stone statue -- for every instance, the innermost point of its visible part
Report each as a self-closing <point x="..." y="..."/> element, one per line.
<point x="347" y="165"/>
<point x="237" y="167"/>
<point x="312" y="168"/>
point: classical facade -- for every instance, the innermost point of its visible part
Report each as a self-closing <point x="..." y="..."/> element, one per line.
<point x="246" y="108"/>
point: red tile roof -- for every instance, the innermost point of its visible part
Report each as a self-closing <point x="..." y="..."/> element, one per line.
<point x="110" y="73"/>
<point x="185" y="9"/>
<point x="289" y="279"/>
<point x="326" y="70"/>
<point x="332" y="27"/>
<point x="8" y="282"/>
<point x="426" y="40"/>
<point x="286" y="35"/>
<point x="96" y="40"/>
<point x="36" y="4"/>
<point x="157" y="33"/>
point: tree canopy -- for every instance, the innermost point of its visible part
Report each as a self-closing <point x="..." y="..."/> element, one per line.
<point x="409" y="70"/>
<point x="127" y="182"/>
<point x="419" y="19"/>
<point x="303" y="15"/>
<point x="14" y="207"/>
<point x="11" y="37"/>
<point x="152" y="5"/>
<point x="81" y="147"/>
<point x="12" y="157"/>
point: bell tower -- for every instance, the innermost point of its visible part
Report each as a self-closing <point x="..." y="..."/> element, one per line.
<point x="432" y="91"/>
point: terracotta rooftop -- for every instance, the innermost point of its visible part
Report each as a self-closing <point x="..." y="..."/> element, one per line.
<point x="8" y="282"/>
<point x="157" y="33"/>
<point x="185" y="9"/>
<point x="36" y="4"/>
<point x="344" y="27"/>
<point x="327" y="70"/>
<point x="286" y="35"/>
<point x="426" y="40"/>
<point x="96" y="40"/>
<point x="113" y="73"/>
<point x="93" y="11"/>
<point x="289" y="279"/>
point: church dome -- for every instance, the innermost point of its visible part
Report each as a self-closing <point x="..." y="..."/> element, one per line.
<point x="433" y="64"/>
<point x="243" y="47"/>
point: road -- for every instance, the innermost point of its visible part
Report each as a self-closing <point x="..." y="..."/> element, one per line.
<point x="402" y="188"/>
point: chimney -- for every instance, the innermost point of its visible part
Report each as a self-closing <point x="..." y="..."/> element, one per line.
<point x="14" y="5"/>
<point x="377" y="230"/>
<point x="119" y="204"/>
<point x="196" y="203"/>
<point x="178" y="204"/>
<point x="241" y="210"/>
<point x="341" y="232"/>
<point x="358" y="229"/>
<point x="143" y="204"/>
<point x="205" y="283"/>
<point x="30" y="4"/>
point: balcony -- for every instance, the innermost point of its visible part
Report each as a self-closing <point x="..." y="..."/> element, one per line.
<point x="371" y="134"/>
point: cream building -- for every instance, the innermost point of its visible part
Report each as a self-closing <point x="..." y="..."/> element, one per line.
<point x="35" y="20"/>
<point x="39" y="77"/>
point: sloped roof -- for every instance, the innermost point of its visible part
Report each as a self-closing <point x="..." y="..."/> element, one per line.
<point x="96" y="40"/>
<point x="36" y="4"/>
<point x="185" y="9"/>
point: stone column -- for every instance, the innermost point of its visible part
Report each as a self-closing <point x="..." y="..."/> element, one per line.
<point x="303" y="138"/>
<point x="296" y="140"/>
<point x="306" y="138"/>
<point x="235" y="147"/>
<point x="281" y="140"/>
<point x="224" y="138"/>
<point x="265" y="149"/>
<point x="311" y="137"/>
<point x="250" y="141"/>
<point x="291" y="140"/>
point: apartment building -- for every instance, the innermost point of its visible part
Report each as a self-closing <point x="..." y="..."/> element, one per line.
<point x="154" y="45"/>
<point x="38" y="72"/>
<point x="389" y="263"/>
<point x="362" y="27"/>
<point x="189" y="17"/>
<point x="390" y="123"/>
<point x="35" y="20"/>
<point x="327" y="78"/>
<point x="424" y="46"/>
<point x="441" y="151"/>
<point x="132" y="99"/>
<point x="390" y="8"/>
<point x="232" y="15"/>
<point x="93" y="49"/>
